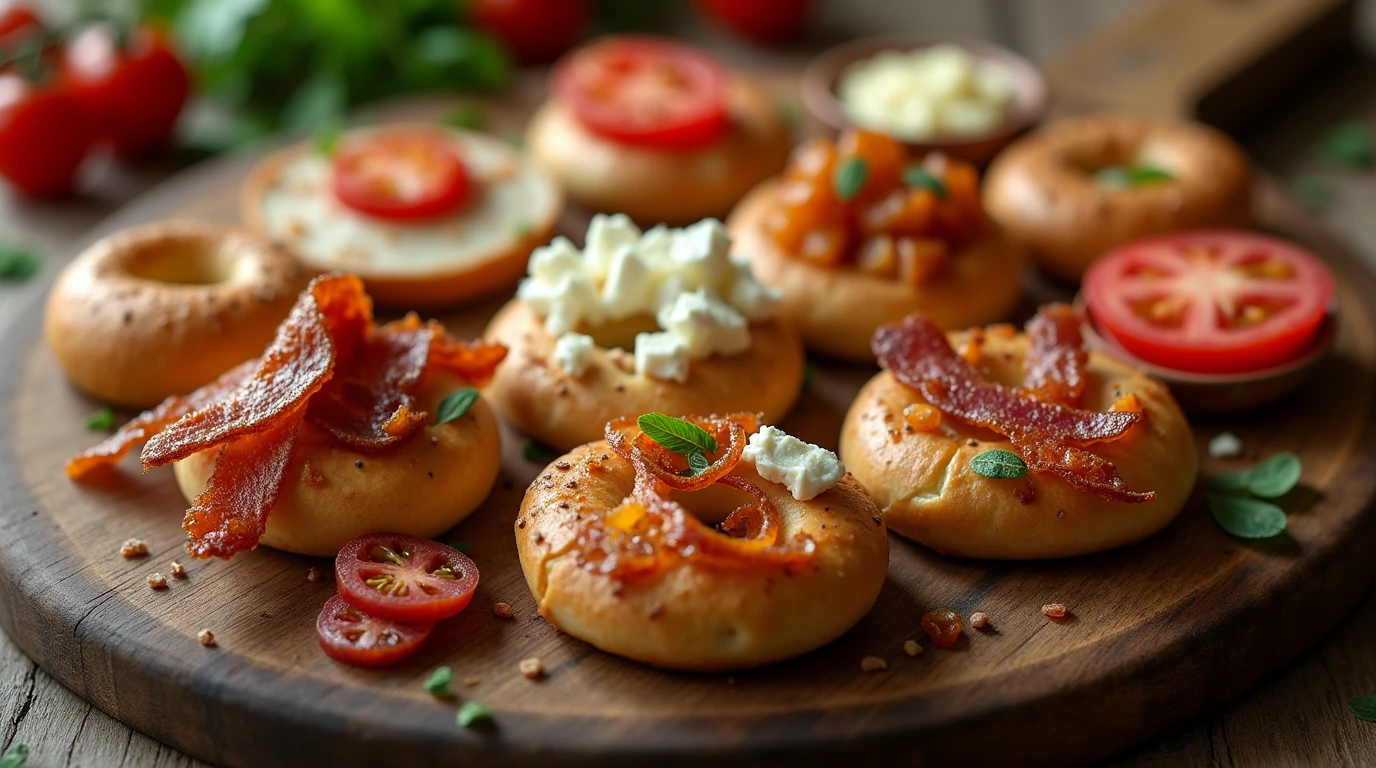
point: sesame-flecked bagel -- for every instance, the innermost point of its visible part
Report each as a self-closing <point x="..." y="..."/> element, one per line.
<point x="538" y="396"/>
<point x="422" y="487"/>
<point x="925" y="485"/>
<point x="165" y="308"/>
<point x="652" y="185"/>
<point x="837" y="310"/>
<point x="1042" y="188"/>
<point x="690" y="615"/>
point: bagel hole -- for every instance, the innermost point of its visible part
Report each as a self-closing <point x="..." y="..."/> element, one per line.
<point x="181" y="261"/>
<point x="621" y="333"/>
<point x="712" y="504"/>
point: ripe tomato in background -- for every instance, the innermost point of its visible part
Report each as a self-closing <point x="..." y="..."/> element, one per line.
<point x="17" y="22"/>
<point x="402" y="178"/>
<point x="44" y="134"/>
<point x="764" y="21"/>
<point x="535" y="31"/>
<point x="133" y="93"/>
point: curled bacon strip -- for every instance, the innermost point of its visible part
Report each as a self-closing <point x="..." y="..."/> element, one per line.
<point x="1055" y="361"/>
<point x="650" y="529"/>
<point x="1049" y="436"/>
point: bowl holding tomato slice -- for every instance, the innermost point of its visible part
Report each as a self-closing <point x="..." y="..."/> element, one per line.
<point x="1230" y="320"/>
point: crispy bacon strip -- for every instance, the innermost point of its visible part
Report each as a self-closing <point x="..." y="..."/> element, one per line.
<point x="474" y="361"/>
<point x="1055" y="361"/>
<point x="1050" y="437"/>
<point x="371" y="405"/>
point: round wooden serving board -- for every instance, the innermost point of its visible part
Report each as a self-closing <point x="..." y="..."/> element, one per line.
<point x="1158" y="632"/>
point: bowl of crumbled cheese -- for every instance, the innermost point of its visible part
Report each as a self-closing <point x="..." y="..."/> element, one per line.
<point x="964" y="97"/>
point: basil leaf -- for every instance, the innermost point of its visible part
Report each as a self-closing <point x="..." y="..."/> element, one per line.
<point x="676" y="435"/>
<point x="918" y="177"/>
<point x="697" y="464"/>
<point x="1245" y="517"/>
<point x="1113" y="177"/>
<point x="538" y="452"/>
<point x="18" y="262"/>
<point x="1350" y="144"/>
<point x="15" y="756"/>
<point x="1230" y="481"/>
<point x="466" y="117"/>
<point x="439" y="681"/>
<point x="101" y="419"/>
<point x="850" y="178"/>
<point x="455" y="404"/>
<point x="473" y="715"/>
<point x="1275" y="476"/>
<point x="999" y="464"/>
<point x="1363" y="707"/>
<point x="1145" y="174"/>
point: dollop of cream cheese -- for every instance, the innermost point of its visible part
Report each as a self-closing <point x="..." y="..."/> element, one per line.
<point x="806" y="470"/>
<point x="702" y="298"/>
<point x="941" y="90"/>
<point x="573" y="352"/>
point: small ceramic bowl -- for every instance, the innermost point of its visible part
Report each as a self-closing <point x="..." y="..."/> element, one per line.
<point x="1024" y="112"/>
<point x="1216" y="393"/>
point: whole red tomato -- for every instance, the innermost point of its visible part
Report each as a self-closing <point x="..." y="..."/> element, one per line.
<point x="134" y="93"/>
<point x="535" y="31"/>
<point x="764" y="21"/>
<point x="17" y="22"/>
<point x="44" y="135"/>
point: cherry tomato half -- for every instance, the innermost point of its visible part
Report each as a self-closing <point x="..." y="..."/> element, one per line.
<point x="535" y="31"/>
<point x="1210" y="302"/>
<point x="764" y="21"/>
<point x="133" y="94"/>
<point x="404" y="578"/>
<point x="351" y="636"/>
<point x="17" y="23"/>
<point x="645" y="90"/>
<point x="44" y="135"/>
<point x="401" y="177"/>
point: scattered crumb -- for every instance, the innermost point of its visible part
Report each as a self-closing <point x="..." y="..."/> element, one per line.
<point x="1225" y="445"/>
<point x="912" y="647"/>
<point x="157" y="581"/>
<point x="177" y="570"/>
<point x="134" y="548"/>
<point x="532" y="668"/>
<point x="979" y="619"/>
<point x="873" y="664"/>
<point x="502" y="610"/>
<point x="1054" y="610"/>
<point x="312" y="574"/>
<point x="471" y="681"/>
<point x="206" y="637"/>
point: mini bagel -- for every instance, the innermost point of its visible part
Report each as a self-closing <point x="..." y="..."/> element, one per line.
<point x="929" y="493"/>
<point x="422" y="487"/>
<point x="164" y="308"/>
<point x="561" y="410"/>
<point x="692" y="615"/>
<point x="837" y="310"/>
<point x="1043" y="191"/>
<point x="660" y="185"/>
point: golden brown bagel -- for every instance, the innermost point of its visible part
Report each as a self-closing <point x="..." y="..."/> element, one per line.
<point x="422" y="487"/>
<point x="838" y="310"/>
<point x="1042" y="188"/>
<point x="538" y="396"/>
<point x="164" y="308"/>
<point x="480" y="248"/>
<point x="659" y="185"/>
<point x="690" y="616"/>
<point x="929" y="493"/>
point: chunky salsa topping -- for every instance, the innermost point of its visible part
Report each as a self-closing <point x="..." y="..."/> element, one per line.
<point x="864" y="202"/>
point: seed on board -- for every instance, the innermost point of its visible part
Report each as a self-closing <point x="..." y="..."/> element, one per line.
<point x="206" y="637"/>
<point x="873" y="664"/>
<point x="177" y="569"/>
<point x="912" y="647"/>
<point x="1054" y="610"/>
<point x="157" y="581"/>
<point x="502" y="610"/>
<point x="134" y="548"/>
<point x="979" y="619"/>
<point x="532" y="668"/>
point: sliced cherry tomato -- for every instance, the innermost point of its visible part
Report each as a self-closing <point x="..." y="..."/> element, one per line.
<point x="536" y="31"/>
<point x="403" y="578"/>
<point x="133" y="93"/>
<point x="1210" y="302"/>
<point x="44" y="135"/>
<point x="349" y="635"/>
<point x="645" y="90"/>
<point x="764" y="21"/>
<point x="17" y="24"/>
<point x="401" y="177"/>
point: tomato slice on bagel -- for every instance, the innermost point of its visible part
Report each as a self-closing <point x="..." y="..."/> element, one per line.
<point x="646" y="91"/>
<point x="404" y="578"/>
<point x="351" y="636"/>
<point x="1210" y="302"/>
<point x="401" y="177"/>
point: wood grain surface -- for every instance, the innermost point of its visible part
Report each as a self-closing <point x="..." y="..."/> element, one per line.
<point x="1159" y="632"/>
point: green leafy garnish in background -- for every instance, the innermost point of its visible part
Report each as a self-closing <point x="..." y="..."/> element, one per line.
<point x="101" y="419"/>
<point x="15" y="756"/>
<point x="455" y="404"/>
<point x="1236" y="498"/>
<point x="18" y="262"/>
<point x="439" y="681"/>
<point x="1350" y="145"/>
<point x="999" y="465"/>
<point x="468" y="117"/>
<point x="917" y="177"/>
<point x="850" y="178"/>
<point x="1119" y="177"/>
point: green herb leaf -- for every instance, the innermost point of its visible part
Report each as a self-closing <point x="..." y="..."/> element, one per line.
<point x="18" y="262"/>
<point x="917" y="177"/>
<point x="101" y="419"/>
<point x="328" y="139"/>
<point x="455" y="404"/>
<point x="809" y="375"/>
<point x="15" y="756"/>
<point x="850" y="178"/>
<point x="1275" y="476"/>
<point x="319" y="101"/>
<point x="1113" y="177"/>
<point x="1246" y="517"/>
<point x="999" y="464"/>
<point x="1363" y="707"/>
<point x="1230" y="481"/>
<point x="1313" y="191"/>
<point x="1145" y="174"/>
<point x="676" y="435"/>
<point x="474" y="715"/>
<point x="537" y="452"/>
<point x="465" y="117"/>
<point x="697" y="464"/>
<point x="1350" y="144"/>
<point x="439" y="681"/>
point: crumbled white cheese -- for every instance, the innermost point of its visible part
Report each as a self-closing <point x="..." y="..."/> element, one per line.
<point x="918" y="94"/>
<point x="573" y="353"/>
<point x="1225" y="445"/>
<point x="805" y="469"/>
<point x="685" y="278"/>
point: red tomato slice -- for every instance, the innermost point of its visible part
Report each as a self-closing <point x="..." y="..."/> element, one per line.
<point x="1210" y="302"/>
<point x="646" y="91"/>
<point x="401" y="177"/>
<point x="404" y="578"/>
<point x="353" y="637"/>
